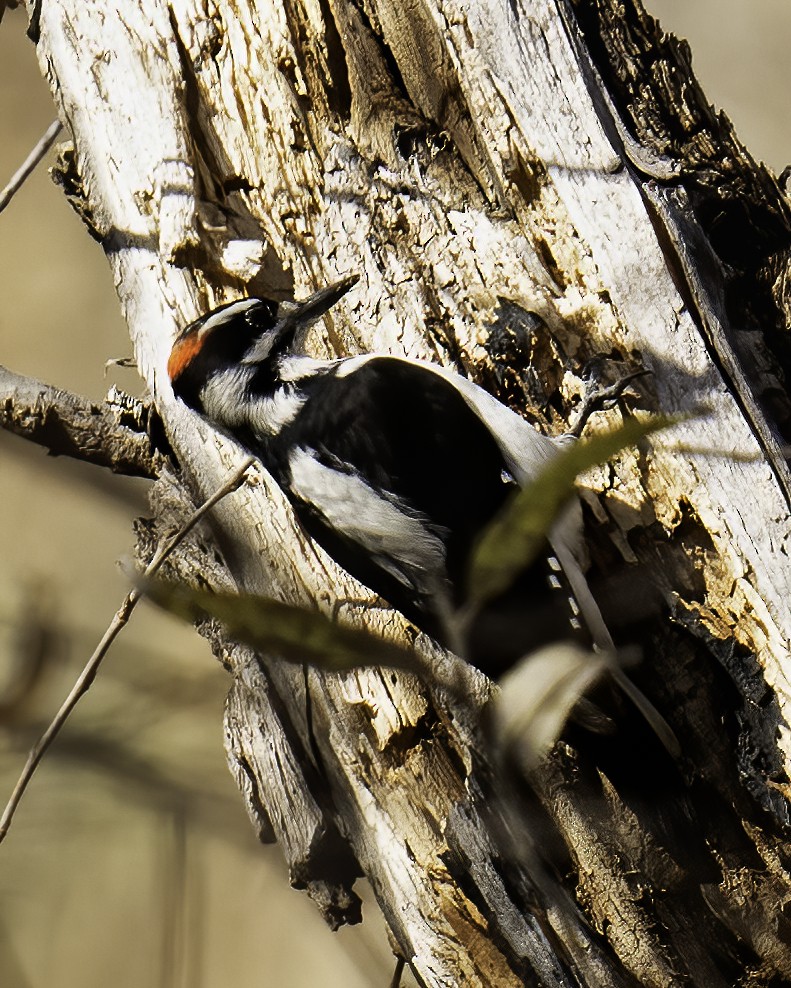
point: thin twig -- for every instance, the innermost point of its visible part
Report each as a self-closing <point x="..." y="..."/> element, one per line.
<point x="88" y="674"/>
<point x="398" y="973"/>
<point x="38" y="152"/>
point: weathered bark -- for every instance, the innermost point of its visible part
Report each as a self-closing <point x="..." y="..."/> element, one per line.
<point x="116" y="434"/>
<point x="521" y="186"/>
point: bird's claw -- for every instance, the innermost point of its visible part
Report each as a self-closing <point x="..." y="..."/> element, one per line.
<point x="598" y="398"/>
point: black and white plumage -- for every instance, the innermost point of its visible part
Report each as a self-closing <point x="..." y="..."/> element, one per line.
<point x="394" y="466"/>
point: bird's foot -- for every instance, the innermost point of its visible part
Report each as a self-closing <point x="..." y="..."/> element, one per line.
<point x="598" y="395"/>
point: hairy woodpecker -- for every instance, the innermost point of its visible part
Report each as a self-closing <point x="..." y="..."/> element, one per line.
<point x="394" y="466"/>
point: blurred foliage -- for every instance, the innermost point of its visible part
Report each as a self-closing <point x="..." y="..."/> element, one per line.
<point x="293" y="633"/>
<point x="515" y="538"/>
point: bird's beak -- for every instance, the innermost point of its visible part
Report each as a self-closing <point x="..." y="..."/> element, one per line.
<point x="299" y="314"/>
<point x="296" y="315"/>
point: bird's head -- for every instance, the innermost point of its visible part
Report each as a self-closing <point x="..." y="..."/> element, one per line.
<point x="231" y="343"/>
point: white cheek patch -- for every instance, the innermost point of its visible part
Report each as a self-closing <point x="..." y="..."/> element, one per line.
<point x="222" y="396"/>
<point x="227" y="401"/>
<point x="398" y="542"/>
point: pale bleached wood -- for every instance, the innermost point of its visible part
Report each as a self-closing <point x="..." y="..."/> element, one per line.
<point x="260" y="143"/>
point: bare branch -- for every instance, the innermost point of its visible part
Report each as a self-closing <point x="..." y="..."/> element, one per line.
<point x="28" y="165"/>
<point x="113" y="434"/>
<point x="397" y="974"/>
<point x="123" y="614"/>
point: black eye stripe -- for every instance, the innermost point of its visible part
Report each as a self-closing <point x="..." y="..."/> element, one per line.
<point x="222" y="338"/>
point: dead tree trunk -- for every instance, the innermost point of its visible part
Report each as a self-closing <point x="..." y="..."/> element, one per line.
<point x="521" y="186"/>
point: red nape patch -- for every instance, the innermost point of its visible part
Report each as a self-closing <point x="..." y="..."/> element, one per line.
<point x="182" y="354"/>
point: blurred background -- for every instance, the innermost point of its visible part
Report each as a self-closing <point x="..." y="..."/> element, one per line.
<point x="132" y="841"/>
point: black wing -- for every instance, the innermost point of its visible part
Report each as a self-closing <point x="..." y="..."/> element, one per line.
<point x="407" y="434"/>
<point x="434" y="472"/>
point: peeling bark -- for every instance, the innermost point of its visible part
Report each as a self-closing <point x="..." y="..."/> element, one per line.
<point x="521" y="187"/>
<point x="120" y="434"/>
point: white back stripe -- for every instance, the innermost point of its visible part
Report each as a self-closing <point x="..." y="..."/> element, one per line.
<point x="397" y="541"/>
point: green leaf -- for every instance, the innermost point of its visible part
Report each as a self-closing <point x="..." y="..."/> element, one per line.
<point x="291" y="632"/>
<point x="517" y="535"/>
